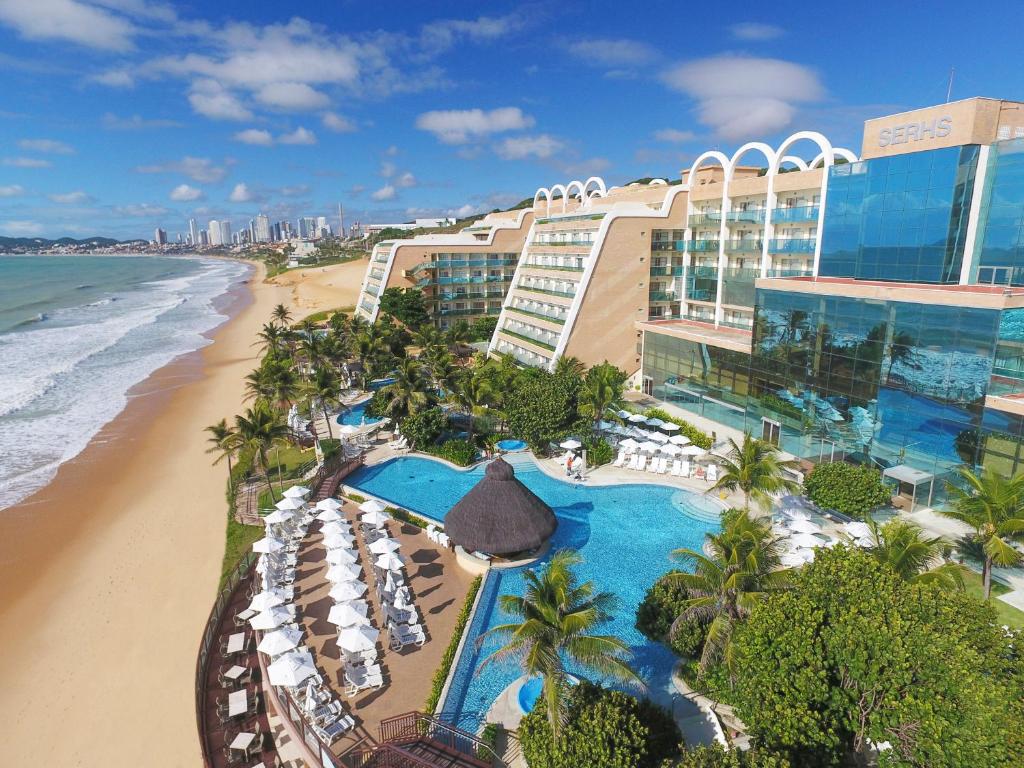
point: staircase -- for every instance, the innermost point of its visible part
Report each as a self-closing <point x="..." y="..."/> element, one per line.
<point x="417" y="740"/>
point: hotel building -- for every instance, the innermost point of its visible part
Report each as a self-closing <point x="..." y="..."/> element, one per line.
<point x="463" y="276"/>
<point x="863" y="307"/>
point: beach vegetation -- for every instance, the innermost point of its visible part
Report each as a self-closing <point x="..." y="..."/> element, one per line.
<point x="717" y="756"/>
<point x="223" y="442"/>
<point x="756" y="469"/>
<point x="409" y="393"/>
<point x="657" y="617"/>
<point x="260" y="429"/>
<point x="553" y="622"/>
<point x="599" y="451"/>
<point x="322" y="390"/>
<point x="448" y="657"/>
<point x="541" y="407"/>
<point x="472" y="393"/>
<point x="604" y="728"/>
<point x="847" y="488"/>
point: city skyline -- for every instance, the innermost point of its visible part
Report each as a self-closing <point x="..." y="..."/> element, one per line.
<point x="126" y="117"/>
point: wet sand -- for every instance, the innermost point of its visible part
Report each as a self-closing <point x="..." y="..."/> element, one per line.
<point x="110" y="571"/>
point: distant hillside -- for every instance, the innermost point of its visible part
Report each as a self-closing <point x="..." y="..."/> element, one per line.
<point x="42" y="242"/>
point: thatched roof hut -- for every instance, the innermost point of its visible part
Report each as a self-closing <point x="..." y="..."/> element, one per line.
<point x="500" y="515"/>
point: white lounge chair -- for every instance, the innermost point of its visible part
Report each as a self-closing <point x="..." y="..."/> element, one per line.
<point x="406" y="634"/>
<point x="663" y="467"/>
<point x="634" y="461"/>
<point x="686" y="469"/>
<point x="620" y="459"/>
<point x="443" y="540"/>
<point x="653" y="466"/>
<point x="712" y="475"/>
<point x="677" y="468"/>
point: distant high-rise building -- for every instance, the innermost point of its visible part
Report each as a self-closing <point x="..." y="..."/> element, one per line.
<point x="225" y="232"/>
<point x="193" y="232"/>
<point x="204" y="237"/>
<point x="323" y="229"/>
<point x="213" y="228"/>
<point x="307" y="227"/>
<point x="261" y="231"/>
<point x="160" y="236"/>
<point x="286" y="230"/>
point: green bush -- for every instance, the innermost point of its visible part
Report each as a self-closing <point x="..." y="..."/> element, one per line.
<point x="356" y="498"/>
<point x="664" y="601"/>
<point x="541" y="407"/>
<point x="489" y="736"/>
<point x="329" y="447"/>
<point x="377" y="407"/>
<point x="846" y="488"/>
<point x="604" y="728"/>
<point x="697" y="437"/>
<point x="598" y="451"/>
<point x="459" y="452"/>
<point x="441" y="675"/>
<point x="422" y="429"/>
<point x="407" y="517"/>
<point x="716" y="756"/>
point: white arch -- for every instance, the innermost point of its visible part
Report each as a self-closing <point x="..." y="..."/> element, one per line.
<point x="759" y="146"/>
<point x="598" y="182"/>
<point x="558" y="188"/>
<point x="711" y="154"/>
<point x="799" y="162"/>
<point x="657" y="183"/>
<point x="827" y="153"/>
<point x="546" y="194"/>
<point x="576" y="184"/>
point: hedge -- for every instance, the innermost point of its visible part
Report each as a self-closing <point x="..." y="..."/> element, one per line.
<point x="460" y="452"/>
<point x="698" y="437"/>
<point x="441" y="675"/>
<point x="598" y="451"/>
<point x="407" y="517"/>
<point x="847" y="488"/>
<point x="664" y="601"/>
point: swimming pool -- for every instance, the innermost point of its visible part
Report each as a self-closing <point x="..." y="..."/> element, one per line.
<point x="356" y="415"/>
<point x="624" y="533"/>
<point x="511" y="445"/>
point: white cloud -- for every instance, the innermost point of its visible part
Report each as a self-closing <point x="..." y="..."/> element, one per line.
<point x="50" y="146"/>
<point x="391" y="151"/>
<point x="741" y="97"/>
<point x="297" y="97"/>
<point x="300" y="136"/>
<point x="387" y="192"/>
<point x="71" y="198"/>
<point x="255" y="136"/>
<point x="387" y="170"/>
<point x="183" y="193"/>
<point x="541" y="146"/>
<point x="583" y="168"/>
<point x="295" y="190"/>
<point x="464" y="211"/>
<point x="12" y="190"/>
<point x="21" y="228"/>
<point x="200" y="169"/>
<point x="613" y="52"/>
<point x="674" y="135"/>
<point x="136" y="122"/>
<point x="210" y="98"/>
<point x="439" y="36"/>
<point x="338" y="123"/>
<point x="458" y="126"/>
<point x="406" y="180"/>
<point x="755" y="30"/>
<point x="26" y="162"/>
<point x="68" y="20"/>
<point x="114" y="78"/>
<point x="141" y="210"/>
<point x="240" y="194"/>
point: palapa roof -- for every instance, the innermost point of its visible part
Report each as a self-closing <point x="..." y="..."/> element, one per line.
<point x="500" y="515"/>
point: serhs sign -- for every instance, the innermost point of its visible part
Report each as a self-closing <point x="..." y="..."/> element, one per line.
<point x="938" y="128"/>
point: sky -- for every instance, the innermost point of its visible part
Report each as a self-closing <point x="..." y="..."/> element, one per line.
<point x="119" y="116"/>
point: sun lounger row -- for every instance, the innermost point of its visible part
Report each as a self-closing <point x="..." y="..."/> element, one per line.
<point x="438" y="536"/>
<point x="661" y="465"/>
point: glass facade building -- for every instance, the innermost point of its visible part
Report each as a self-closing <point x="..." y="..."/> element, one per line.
<point x="1001" y="261"/>
<point x="902" y="218"/>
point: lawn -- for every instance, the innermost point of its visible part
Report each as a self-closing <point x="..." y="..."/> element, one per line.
<point x="290" y="458"/>
<point x="239" y="540"/>
<point x="1007" y="614"/>
<point x="324" y="314"/>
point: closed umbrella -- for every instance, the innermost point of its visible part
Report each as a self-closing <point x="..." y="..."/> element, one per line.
<point x="265" y="600"/>
<point x="390" y="562"/>
<point x="280" y="641"/>
<point x="290" y="504"/>
<point x="339" y="541"/>
<point x="267" y="545"/>
<point x="389" y="583"/>
<point x="347" y="615"/>
<point x="402" y="601"/>
<point x="291" y="669"/>
<point x="330" y="516"/>
<point x="571" y="444"/>
<point x="329" y="504"/>
<point x="385" y="545"/>
<point x="297" y="492"/>
<point x="679" y="439"/>
<point x="272" y="618"/>
<point x="357" y="639"/>
<point x="311" y="702"/>
<point x="804" y="526"/>
<point x="348" y="590"/>
<point x="340" y="557"/>
<point x="375" y="518"/>
<point x="371" y="506"/>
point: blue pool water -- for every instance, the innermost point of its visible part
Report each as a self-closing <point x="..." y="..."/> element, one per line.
<point x="529" y="692"/>
<point x="356" y="415"/>
<point x="511" y="445"/>
<point x="624" y="533"/>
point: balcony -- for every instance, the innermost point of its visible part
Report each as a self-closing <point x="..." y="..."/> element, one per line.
<point x="377" y="274"/>
<point x="741" y="326"/>
<point x="662" y="296"/>
<point x="744" y="245"/>
<point x="470" y="311"/>
<point x="792" y="245"/>
<point x="423" y="281"/>
<point x="704" y="271"/>
<point x="558" y="243"/>
<point x="373" y="290"/>
<point x="805" y="272"/>
<point x="746" y="217"/>
<point x="699" y="317"/>
<point x="795" y="215"/>
<point x="367" y="306"/>
<point x="666" y="271"/>
<point x="553" y="267"/>
<point x="738" y="287"/>
<point x="538" y="315"/>
<point x="668" y="245"/>
<point x="530" y="339"/>
<point x="703" y="246"/>
<point x="701" y="219"/>
<point x="547" y="291"/>
<point x="463" y="263"/>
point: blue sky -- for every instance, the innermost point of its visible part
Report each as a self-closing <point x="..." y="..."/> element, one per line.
<point x="121" y="115"/>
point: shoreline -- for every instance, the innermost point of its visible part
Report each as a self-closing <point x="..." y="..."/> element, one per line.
<point x="111" y="569"/>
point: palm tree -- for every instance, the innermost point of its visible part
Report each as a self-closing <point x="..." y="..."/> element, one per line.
<point x="274" y="381"/>
<point x="259" y="430"/>
<point x="556" y="614"/>
<point x="602" y="390"/>
<point x="273" y="339"/>
<point x="223" y="441"/>
<point x="916" y="557"/>
<point x="755" y="468"/>
<point x="322" y="390"/>
<point x="569" y="365"/>
<point x="741" y="566"/>
<point x="993" y="505"/>
<point x="472" y="393"/>
<point x="446" y="376"/>
<point x="408" y="393"/>
<point x="282" y="314"/>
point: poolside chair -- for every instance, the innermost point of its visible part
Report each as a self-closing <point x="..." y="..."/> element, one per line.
<point x="641" y="464"/>
<point x="686" y="469"/>
<point x="663" y="467"/>
<point x="620" y="459"/>
<point x="633" y="461"/>
<point x="406" y="634"/>
<point x="677" y="468"/>
<point x="712" y="474"/>
<point x="653" y="466"/>
<point x="443" y="540"/>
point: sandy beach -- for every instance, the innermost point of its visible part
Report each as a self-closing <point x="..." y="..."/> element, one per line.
<point x="110" y="571"/>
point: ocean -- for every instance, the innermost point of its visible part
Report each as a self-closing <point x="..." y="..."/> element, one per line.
<point x="77" y="333"/>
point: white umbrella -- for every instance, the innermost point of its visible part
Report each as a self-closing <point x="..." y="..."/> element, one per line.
<point x="402" y="601"/>
<point x="692" y="450"/>
<point x="629" y="444"/>
<point x="655" y="422"/>
<point x="668" y="426"/>
<point x="328" y="504"/>
<point x="679" y="439"/>
<point x="335" y="527"/>
<point x="268" y="544"/>
<point x="389" y="583"/>
<point x="390" y="562"/>
<point x="348" y="429"/>
<point x="858" y="530"/>
<point x="571" y="444"/>
<point x="290" y="504"/>
<point x="385" y="545"/>
<point x="804" y="526"/>
<point x="343" y="572"/>
<point x="347" y="615"/>
<point x="796" y="559"/>
<point x="637" y="418"/>
<point x="356" y="639"/>
<point x="671" y="450"/>
<point x="297" y="492"/>
<point x="657" y="437"/>
<point x="375" y="518"/>
<point x="272" y="618"/>
<point x="280" y="641"/>
<point x="279" y="516"/>
<point x="339" y="541"/>
<point x="291" y="669"/>
<point x="372" y="506"/>
<point x="265" y="600"/>
<point x="806" y="541"/>
<point x="647" y="446"/>
<point x="330" y="516"/>
<point x="340" y="557"/>
<point x="864" y="541"/>
<point x="348" y="590"/>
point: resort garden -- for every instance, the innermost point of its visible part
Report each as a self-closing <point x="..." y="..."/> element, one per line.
<point x="876" y="651"/>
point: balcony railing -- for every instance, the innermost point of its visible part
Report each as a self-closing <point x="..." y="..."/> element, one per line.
<point x="805" y="272"/>
<point x="471" y="311"/>
<point x="703" y="245"/>
<point x="530" y="339"/>
<point x="555" y="267"/>
<point x="795" y="215"/>
<point x="373" y="290"/>
<point x="377" y="274"/>
<point x="367" y="306"/>
<point x="733" y="324"/>
<point x="547" y="291"/>
<point x="666" y="271"/>
<point x="449" y="295"/>
<point x="662" y="296"/>
<point x="698" y="317"/>
<point x="704" y="271"/>
<point x="461" y="263"/>
<point x="700" y="219"/>
<point x="746" y="217"/>
<point x="538" y="315"/>
<point x="668" y="245"/>
<point x="792" y="245"/>
<point x="556" y="243"/>
<point x="463" y="280"/>
<point x="744" y="245"/>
